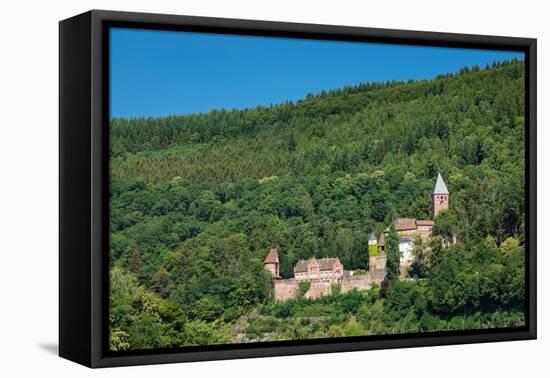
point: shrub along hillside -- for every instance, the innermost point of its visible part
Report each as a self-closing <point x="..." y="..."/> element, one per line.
<point x="198" y="200"/>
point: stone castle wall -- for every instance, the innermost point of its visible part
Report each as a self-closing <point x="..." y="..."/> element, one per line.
<point x="289" y="289"/>
<point x="318" y="289"/>
<point x="358" y="282"/>
<point x="284" y="290"/>
<point x="363" y="282"/>
<point x="377" y="263"/>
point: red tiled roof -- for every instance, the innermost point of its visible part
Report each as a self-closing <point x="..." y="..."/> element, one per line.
<point x="272" y="257"/>
<point x="402" y="224"/>
<point x="327" y="263"/>
<point x="427" y="222"/>
<point x="301" y="266"/>
<point x="324" y="264"/>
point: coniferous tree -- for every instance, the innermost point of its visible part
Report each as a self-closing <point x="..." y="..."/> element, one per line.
<point x="393" y="254"/>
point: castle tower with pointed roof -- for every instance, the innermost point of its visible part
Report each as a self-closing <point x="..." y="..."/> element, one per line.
<point x="440" y="196"/>
<point x="271" y="262"/>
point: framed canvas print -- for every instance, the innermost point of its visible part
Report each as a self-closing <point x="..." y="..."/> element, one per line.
<point x="234" y="188"/>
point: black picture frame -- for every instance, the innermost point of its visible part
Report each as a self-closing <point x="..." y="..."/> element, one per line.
<point x="83" y="182"/>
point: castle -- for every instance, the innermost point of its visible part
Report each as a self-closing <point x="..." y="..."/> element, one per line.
<point x="323" y="273"/>
<point x="408" y="228"/>
<point x="329" y="269"/>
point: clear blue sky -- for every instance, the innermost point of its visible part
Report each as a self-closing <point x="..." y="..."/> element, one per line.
<point x="156" y="73"/>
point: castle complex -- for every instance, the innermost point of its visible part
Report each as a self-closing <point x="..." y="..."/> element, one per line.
<point x="323" y="273"/>
<point x="408" y="228"/>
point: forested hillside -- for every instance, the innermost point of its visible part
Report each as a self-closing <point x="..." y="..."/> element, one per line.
<point x="197" y="201"/>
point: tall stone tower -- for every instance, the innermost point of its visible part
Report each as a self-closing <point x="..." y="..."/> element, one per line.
<point x="271" y="262"/>
<point x="440" y="196"/>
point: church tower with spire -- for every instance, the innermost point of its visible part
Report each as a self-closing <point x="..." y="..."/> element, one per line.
<point x="440" y="196"/>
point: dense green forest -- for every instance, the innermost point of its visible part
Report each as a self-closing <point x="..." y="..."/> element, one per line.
<point x="198" y="200"/>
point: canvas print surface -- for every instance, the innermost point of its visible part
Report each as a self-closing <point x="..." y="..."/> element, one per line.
<point x="275" y="189"/>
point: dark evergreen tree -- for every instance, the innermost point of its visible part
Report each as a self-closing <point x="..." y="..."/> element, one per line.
<point x="392" y="253"/>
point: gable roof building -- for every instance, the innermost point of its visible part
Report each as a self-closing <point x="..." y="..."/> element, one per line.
<point x="404" y="224"/>
<point x="301" y="266"/>
<point x="329" y="268"/>
<point x="328" y="263"/>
